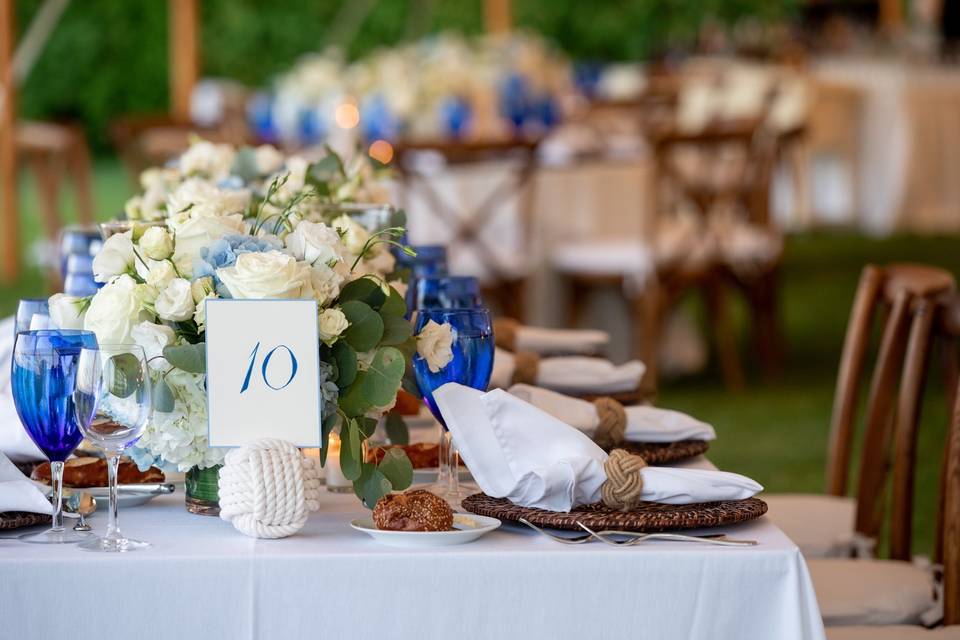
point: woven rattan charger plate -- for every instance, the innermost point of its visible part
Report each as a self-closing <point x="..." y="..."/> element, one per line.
<point x="652" y="516"/>
<point x="657" y="453"/>
<point x="18" y="519"/>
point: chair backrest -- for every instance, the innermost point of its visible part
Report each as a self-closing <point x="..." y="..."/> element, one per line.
<point x="905" y="295"/>
<point x="468" y="222"/>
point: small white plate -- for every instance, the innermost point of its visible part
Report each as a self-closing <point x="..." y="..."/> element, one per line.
<point x="466" y="528"/>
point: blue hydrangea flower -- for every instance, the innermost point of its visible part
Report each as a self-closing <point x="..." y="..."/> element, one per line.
<point x="223" y="253"/>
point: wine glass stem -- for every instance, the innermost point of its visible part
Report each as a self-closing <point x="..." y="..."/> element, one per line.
<point x="443" y="463"/>
<point x="113" y="464"/>
<point x="56" y="476"/>
<point x="453" y="465"/>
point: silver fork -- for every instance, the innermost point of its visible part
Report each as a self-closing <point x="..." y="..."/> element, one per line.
<point x="561" y="539"/>
<point x="637" y="538"/>
<point x="598" y="535"/>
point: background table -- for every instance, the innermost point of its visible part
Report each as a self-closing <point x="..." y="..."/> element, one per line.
<point x="204" y="580"/>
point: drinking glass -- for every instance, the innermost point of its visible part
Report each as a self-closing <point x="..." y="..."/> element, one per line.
<point x="471" y="365"/>
<point x="45" y="368"/>
<point x="446" y="292"/>
<point x="431" y="260"/>
<point x="113" y="406"/>
<point x="32" y="313"/>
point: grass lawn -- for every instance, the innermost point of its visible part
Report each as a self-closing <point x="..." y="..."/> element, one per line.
<point x="776" y="430"/>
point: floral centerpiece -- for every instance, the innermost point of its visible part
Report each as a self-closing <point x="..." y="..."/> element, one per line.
<point x="242" y="224"/>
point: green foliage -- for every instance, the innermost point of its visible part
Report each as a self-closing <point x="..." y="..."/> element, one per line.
<point x="108" y="58"/>
<point x="396" y="468"/>
<point x="346" y="359"/>
<point x="397" y="429"/>
<point x="383" y="378"/>
<point x="366" y="325"/>
<point x="125" y="375"/>
<point x="191" y="358"/>
<point x="163" y="400"/>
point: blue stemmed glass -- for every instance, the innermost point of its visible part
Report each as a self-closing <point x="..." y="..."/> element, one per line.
<point x="45" y="367"/>
<point x="446" y="292"/>
<point x="430" y="260"/>
<point x="471" y="365"/>
<point x="32" y="313"/>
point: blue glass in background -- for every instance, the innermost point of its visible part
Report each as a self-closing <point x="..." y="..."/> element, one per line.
<point x="32" y="313"/>
<point x="456" y="114"/>
<point x="310" y="127"/>
<point x="446" y="292"/>
<point x="431" y="260"/>
<point x="43" y="381"/>
<point x="376" y="120"/>
<point x="514" y="100"/>
<point x="586" y="77"/>
<point x="260" y="118"/>
<point x="546" y="111"/>
<point x="472" y="349"/>
<point x="78" y="278"/>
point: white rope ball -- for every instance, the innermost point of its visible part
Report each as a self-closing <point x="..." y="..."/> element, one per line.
<point x="267" y="488"/>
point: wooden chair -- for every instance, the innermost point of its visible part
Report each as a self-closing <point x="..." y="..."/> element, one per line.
<point x="895" y="591"/>
<point x="55" y="151"/>
<point x="906" y="297"/>
<point x="467" y="223"/>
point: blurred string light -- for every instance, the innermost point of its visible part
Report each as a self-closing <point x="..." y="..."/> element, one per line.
<point x="347" y="116"/>
<point x="381" y="151"/>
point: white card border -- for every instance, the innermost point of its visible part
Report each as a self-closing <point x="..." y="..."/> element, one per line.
<point x="209" y="387"/>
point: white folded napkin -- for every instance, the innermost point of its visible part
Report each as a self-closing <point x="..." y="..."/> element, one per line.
<point x="573" y="374"/>
<point x="568" y="341"/>
<point x="644" y="424"/>
<point x="516" y="451"/>
<point x="19" y="493"/>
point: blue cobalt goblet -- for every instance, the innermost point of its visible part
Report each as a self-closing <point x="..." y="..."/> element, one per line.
<point x="430" y="260"/>
<point x="472" y="363"/>
<point x="446" y="292"/>
<point x="44" y="378"/>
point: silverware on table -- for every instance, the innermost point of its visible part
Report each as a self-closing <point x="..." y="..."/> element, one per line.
<point x="636" y="538"/>
<point x="561" y="539"/>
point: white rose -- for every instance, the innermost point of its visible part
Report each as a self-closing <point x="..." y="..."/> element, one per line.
<point x="201" y="288"/>
<point x="332" y="324"/>
<point x="160" y="274"/>
<point x="314" y="242"/>
<point x="115" y="257"/>
<point x="325" y="282"/>
<point x="267" y="275"/>
<point x="157" y="243"/>
<point x="159" y="178"/>
<point x="114" y="310"/>
<point x="268" y="159"/>
<point x="296" y="172"/>
<point x="200" y="315"/>
<point x="196" y="197"/>
<point x="206" y="158"/>
<point x="153" y="338"/>
<point x="354" y="235"/>
<point x="434" y="344"/>
<point x="198" y="232"/>
<point x="64" y="312"/>
<point x="175" y="302"/>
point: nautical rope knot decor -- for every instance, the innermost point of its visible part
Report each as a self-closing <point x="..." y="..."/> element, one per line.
<point x="267" y="488"/>
<point x="526" y="364"/>
<point x="624" y="481"/>
<point x="612" y="425"/>
<point x="505" y="333"/>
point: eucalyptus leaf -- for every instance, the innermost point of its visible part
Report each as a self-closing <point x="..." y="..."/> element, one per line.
<point x="125" y="375"/>
<point x="163" y="400"/>
<point x="245" y="165"/>
<point x="374" y="488"/>
<point x="366" y="289"/>
<point x="367" y="426"/>
<point x="396" y="468"/>
<point x="350" y="450"/>
<point x="396" y="330"/>
<point x="394" y="306"/>
<point x="398" y="218"/>
<point x="396" y="428"/>
<point x="366" y="325"/>
<point x="382" y="379"/>
<point x="353" y="402"/>
<point x="191" y="358"/>
<point x="346" y="360"/>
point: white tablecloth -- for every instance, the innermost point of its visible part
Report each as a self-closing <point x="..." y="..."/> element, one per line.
<point x="204" y="580"/>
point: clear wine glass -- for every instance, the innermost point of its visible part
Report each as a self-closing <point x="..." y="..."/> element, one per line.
<point x="44" y="377"/>
<point x="472" y="364"/>
<point x="32" y="314"/>
<point x="113" y="407"/>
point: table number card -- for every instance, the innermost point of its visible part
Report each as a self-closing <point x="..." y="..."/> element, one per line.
<point x="263" y="372"/>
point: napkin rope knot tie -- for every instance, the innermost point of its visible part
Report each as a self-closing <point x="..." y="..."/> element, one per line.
<point x="624" y="483"/>
<point x="612" y="423"/>
<point x="505" y="333"/>
<point x="268" y="488"/>
<point x="525" y="367"/>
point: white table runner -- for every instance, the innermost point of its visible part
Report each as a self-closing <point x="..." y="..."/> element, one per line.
<point x="204" y="580"/>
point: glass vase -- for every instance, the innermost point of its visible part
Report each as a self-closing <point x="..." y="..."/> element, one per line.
<point x="203" y="490"/>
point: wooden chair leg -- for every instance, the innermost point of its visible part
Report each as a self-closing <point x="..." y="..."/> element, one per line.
<point x="47" y="194"/>
<point x="82" y="176"/>
<point x="576" y="300"/>
<point x="724" y="338"/>
<point x="762" y="296"/>
<point x="647" y="311"/>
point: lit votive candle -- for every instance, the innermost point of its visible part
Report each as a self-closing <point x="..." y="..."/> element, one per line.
<point x="336" y="481"/>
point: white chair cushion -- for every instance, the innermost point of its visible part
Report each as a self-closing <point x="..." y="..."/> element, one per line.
<point x="896" y="632"/>
<point x="871" y="592"/>
<point x="604" y="258"/>
<point x="821" y="525"/>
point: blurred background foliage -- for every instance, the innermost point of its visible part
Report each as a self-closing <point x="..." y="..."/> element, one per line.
<point x="107" y="58"/>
